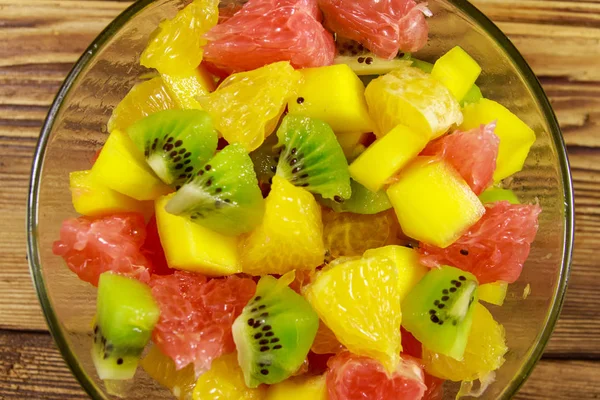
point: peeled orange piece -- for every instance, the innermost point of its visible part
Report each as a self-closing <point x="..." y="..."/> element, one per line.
<point x="325" y="342"/>
<point x="163" y="370"/>
<point x="359" y="301"/>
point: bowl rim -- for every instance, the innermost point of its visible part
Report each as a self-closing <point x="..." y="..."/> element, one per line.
<point x="468" y="9"/>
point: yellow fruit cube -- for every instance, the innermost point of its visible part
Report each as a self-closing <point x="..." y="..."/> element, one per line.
<point x="333" y="94"/>
<point x="290" y="235"/>
<point x="122" y="167"/>
<point x="191" y="247"/>
<point x="299" y="388"/>
<point x="387" y="156"/>
<point x="516" y="138"/>
<point x="433" y="203"/>
<point x="351" y="144"/>
<point x="493" y="293"/>
<point x="92" y="198"/>
<point x="186" y="88"/>
<point x="457" y="71"/>
<point x="413" y="98"/>
<point x="410" y="270"/>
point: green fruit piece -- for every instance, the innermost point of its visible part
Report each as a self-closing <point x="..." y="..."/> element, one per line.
<point x="362" y="61"/>
<point x="495" y="194"/>
<point x="422" y="65"/>
<point x="176" y="143"/>
<point x="223" y="195"/>
<point x="362" y="201"/>
<point x="311" y="157"/>
<point x="264" y="160"/>
<point x="438" y="311"/>
<point x="126" y="315"/>
<point x="274" y="333"/>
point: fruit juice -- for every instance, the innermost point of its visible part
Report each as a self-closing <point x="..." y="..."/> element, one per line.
<point x="296" y="206"/>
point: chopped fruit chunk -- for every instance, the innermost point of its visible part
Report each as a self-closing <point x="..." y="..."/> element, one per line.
<point x="516" y="138"/>
<point x="353" y="377"/>
<point x="152" y="249"/>
<point x="225" y="380"/>
<point x="495" y="194"/>
<point x="387" y="156"/>
<point x="484" y="351"/>
<point x="142" y="100"/>
<point x="362" y="201"/>
<point x="176" y="46"/>
<point x="290" y="235"/>
<point x="493" y="293"/>
<point x="189" y="246"/>
<point x="495" y="248"/>
<point x="196" y="316"/>
<point x="325" y="341"/>
<point x="163" y="370"/>
<point x="457" y="71"/>
<point x="472" y="153"/>
<point x="335" y="95"/>
<point x="92" y="198"/>
<point x="438" y="311"/>
<point x="247" y="106"/>
<point x="413" y="98"/>
<point x="410" y="271"/>
<point x="91" y="246"/>
<point x="433" y="203"/>
<point x="122" y="167"/>
<point x="299" y="388"/>
<point x="185" y="88"/>
<point x="360" y="302"/>
<point x="473" y="96"/>
<point x="351" y="143"/>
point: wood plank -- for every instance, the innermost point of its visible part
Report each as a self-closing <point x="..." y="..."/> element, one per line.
<point x="31" y="367"/>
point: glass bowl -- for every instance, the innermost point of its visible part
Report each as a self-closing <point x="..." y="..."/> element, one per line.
<point x="76" y="127"/>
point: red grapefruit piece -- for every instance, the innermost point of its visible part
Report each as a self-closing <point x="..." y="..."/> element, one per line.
<point x="267" y="31"/>
<point x="196" y="315"/>
<point x="153" y="250"/>
<point x="352" y="377"/>
<point x="91" y="246"/>
<point x="383" y="26"/>
<point x="472" y="153"/>
<point x="495" y="248"/>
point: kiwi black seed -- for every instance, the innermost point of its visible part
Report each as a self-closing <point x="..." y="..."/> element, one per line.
<point x="175" y="143"/>
<point x="363" y="62"/>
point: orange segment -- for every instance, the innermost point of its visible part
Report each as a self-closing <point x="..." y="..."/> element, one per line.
<point x="162" y="369"/>
<point x="325" y="342"/>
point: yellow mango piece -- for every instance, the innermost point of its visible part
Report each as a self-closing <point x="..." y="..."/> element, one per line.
<point x="457" y="71"/>
<point x="516" y="138"/>
<point x="410" y="270"/>
<point x="493" y="293"/>
<point x="186" y="88"/>
<point x="92" y="198"/>
<point x="387" y="156"/>
<point x="122" y="167"/>
<point x="351" y="144"/>
<point x="333" y="94"/>
<point x="191" y="247"/>
<point x="433" y="203"/>
<point x="299" y="388"/>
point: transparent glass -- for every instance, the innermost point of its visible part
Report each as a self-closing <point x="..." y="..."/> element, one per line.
<point x="76" y="128"/>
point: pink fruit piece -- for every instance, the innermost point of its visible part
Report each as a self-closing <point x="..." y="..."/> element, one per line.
<point x="472" y="153"/>
<point x="267" y="31"/>
<point x="495" y="248"/>
<point x="91" y="246"/>
<point x="383" y="26"/>
<point x="196" y="315"/>
<point x="352" y="377"/>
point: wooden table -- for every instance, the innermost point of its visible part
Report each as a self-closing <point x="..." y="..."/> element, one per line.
<point x="41" y="39"/>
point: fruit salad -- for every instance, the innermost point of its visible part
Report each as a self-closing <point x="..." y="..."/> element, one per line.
<point x="295" y="206"/>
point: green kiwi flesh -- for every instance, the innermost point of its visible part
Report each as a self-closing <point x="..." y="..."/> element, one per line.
<point x="264" y="160"/>
<point x="311" y="157"/>
<point x="223" y="195"/>
<point x="495" y="194"/>
<point x="274" y="333"/>
<point x="438" y="311"/>
<point x="362" y="201"/>
<point x="126" y="315"/>
<point x="175" y="143"/>
<point x="363" y="62"/>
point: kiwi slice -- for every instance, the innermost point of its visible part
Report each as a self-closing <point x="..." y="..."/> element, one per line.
<point x="311" y="157"/>
<point x="265" y="161"/>
<point x="362" y="201"/>
<point x="274" y="333"/>
<point x="223" y="195"/>
<point x="438" y="311"/>
<point x="363" y="62"/>
<point x="126" y="315"/>
<point x="175" y="143"/>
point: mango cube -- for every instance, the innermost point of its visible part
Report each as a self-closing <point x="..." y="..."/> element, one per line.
<point x="433" y="203"/>
<point x="333" y="94"/>
<point x="516" y="138"/>
<point x="184" y="89"/>
<point x="299" y="388"/>
<point x="387" y="156"/>
<point x="92" y="198"/>
<point x="191" y="247"/>
<point x="493" y="293"/>
<point x="457" y="71"/>
<point x="122" y="167"/>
